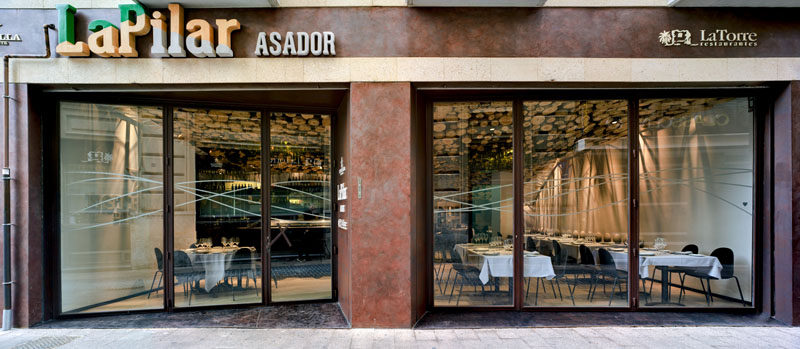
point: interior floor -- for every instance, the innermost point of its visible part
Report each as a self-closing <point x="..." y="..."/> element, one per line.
<point x="289" y="289"/>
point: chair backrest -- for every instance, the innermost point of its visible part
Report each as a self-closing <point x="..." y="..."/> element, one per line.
<point x="159" y="258"/>
<point x="691" y="248"/>
<point x="605" y="257"/>
<point x="530" y="245"/>
<point x="545" y="249"/>
<point x="183" y="264"/>
<point x="586" y="255"/>
<point x="559" y="254"/>
<point x="242" y="258"/>
<point x="725" y="257"/>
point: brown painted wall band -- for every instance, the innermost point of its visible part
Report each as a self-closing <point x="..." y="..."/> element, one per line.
<point x="473" y="32"/>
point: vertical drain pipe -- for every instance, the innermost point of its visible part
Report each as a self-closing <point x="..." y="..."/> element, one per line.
<point x="7" y="314"/>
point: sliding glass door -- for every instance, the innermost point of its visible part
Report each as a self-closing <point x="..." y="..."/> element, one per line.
<point x="111" y="207"/>
<point x="696" y="176"/>
<point x="673" y="176"/>
<point x="217" y="198"/>
<point x="473" y="198"/>
<point x="576" y="203"/>
<point x="300" y="207"/>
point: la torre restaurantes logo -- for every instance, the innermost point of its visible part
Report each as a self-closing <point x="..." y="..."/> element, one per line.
<point x="6" y="38"/>
<point x="708" y="38"/>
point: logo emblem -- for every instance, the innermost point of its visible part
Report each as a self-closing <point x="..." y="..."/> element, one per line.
<point x="676" y="37"/>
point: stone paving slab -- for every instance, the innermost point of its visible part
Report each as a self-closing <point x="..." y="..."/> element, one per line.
<point x="566" y="337"/>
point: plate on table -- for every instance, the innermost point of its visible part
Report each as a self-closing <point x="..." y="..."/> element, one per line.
<point x="618" y="249"/>
<point x="531" y="254"/>
<point x="491" y="253"/>
<point x="647" y="253"/>
<point x="697" y="255"/>
<point x="682" y="252"/>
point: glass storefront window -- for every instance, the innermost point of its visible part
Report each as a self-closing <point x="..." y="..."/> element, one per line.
<point x="473" y="203"/>
<point x="695" y="207"/>
<point x="217" y="196"/>
<point x="300" y="207"/>
<point x="696" y="188"/>
<point x="576" y="203"/>
<point x="111" y="207"/>
<point x="112" y="217"/>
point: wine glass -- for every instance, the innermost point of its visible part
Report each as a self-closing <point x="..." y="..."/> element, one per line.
<point x="659" y="243"/>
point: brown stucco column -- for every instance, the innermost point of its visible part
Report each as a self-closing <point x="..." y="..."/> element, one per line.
<point x="377" y="290"/>
<point x="26" y="193"/>
<point x="786" y="205"/>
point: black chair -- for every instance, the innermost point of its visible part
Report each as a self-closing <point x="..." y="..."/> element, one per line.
<point x="530" y="244"/>
<point x="556" y="257"/>
<point x="160" y="264"/>
<point x="688" y="248"/>
<point x="563" y="267"/>
<point x="726" y="258"/>
<point x="608" y="268"/>
<point x="545" y="249"/>
<point x="185" y="272"/>
<point x="442" y="244"/>
<point x="241" y="266"/>
<point x="589" y="267"/>
<point x="467" y="274"/>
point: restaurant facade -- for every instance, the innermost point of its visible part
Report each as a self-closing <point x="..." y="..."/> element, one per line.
<point x="401" y="157"/>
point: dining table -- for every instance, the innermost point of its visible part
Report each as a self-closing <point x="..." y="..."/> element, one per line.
<point x="572" y="245"/>
<point x="498" y="261"/>
<point x="214" y="261"/>
<point x="667" y="259"/>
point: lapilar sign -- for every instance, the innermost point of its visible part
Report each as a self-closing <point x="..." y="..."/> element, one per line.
<point x="176" y="38"/>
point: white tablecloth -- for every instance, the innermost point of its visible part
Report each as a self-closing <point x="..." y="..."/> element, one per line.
<point x="669" y="260"/>
<point x="214" y="263"/>
<point x="502" y="265"/>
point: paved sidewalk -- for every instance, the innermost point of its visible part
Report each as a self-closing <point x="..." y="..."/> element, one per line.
<point x="576" y="337"/>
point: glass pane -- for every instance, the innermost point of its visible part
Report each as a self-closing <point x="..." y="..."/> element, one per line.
<point x="111" y="207"/>
<point x="473" y="218"/>
<point x="576" y="203"/>
<point x="300" y="207"/>
<point x="217" y="181"/>
<point x="696" y="190"/>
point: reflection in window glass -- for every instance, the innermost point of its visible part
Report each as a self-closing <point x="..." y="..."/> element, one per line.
<point x="111" y="207"/>
<point x="473" y="203"/>
<point x="217" y="196"/>
<point x="300" y="214"/>
<point x="576" y="203"/>
<point x="696" y="190"/>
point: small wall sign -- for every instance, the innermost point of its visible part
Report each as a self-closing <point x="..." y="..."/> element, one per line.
<point x="708" y="38"/>
<point x="5" y="38"/>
